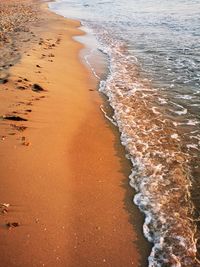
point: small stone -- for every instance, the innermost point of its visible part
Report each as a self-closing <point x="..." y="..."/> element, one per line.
<point x="26" y="143"/>
<point x="37" y="88"/>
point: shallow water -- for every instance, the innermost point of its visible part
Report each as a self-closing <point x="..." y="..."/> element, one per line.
<point x="153" y="86"/>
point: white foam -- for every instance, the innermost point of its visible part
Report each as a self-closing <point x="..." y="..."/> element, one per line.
<point x="107" y="117"/>
<point x="150" y="156"/>
<point x="192" y="122"/>
<point x="193" y="146"/>
<point x="175" y="136"/>
<point x="87" y="56"/>
<point x="187" y="97"/>
<point x="154" y="109"/>
<point x="180" y="112"/>
<point x="146" y="177"/>
<point x="162" y="100"/>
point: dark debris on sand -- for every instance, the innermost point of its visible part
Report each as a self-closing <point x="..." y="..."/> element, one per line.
<point x="13" y="118"/>
<point x="37" y="88"/>
<point x="20" y="128"/>
<point x="3" y="77"/>
<point x="12" y="224"/>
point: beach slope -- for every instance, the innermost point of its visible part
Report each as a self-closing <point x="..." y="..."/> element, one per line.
<point x="64" y="192"/>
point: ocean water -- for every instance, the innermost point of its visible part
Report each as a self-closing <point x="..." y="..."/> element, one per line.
<point x="153" y="86"/>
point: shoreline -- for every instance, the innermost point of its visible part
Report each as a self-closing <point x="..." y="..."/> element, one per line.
<point x="63" y="175"/>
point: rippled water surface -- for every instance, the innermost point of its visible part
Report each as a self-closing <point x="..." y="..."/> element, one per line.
<point x="153" y="86"/>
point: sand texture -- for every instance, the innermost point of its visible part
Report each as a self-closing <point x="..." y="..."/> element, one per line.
<point x="64" y="194"/>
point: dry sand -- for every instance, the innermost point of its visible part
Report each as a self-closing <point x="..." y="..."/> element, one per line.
<point x="62" y="171"/>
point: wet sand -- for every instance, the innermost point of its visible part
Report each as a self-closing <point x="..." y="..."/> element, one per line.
<point x="62" y="171"/>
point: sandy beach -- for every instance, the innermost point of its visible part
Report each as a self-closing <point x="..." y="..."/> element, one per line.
<point x="64" y="194"/>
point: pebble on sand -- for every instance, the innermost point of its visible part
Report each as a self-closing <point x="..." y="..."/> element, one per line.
<point x="37" y="88"/>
